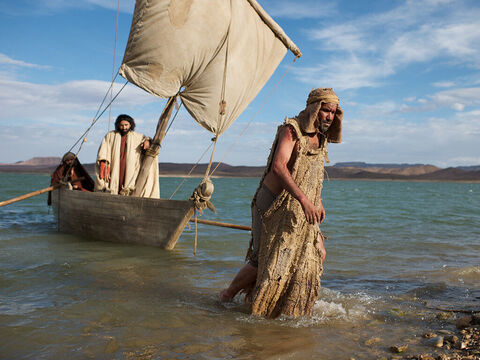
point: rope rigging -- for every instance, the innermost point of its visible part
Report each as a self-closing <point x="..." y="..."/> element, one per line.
<point x="95" y="120"/>
<point x="113" y="65"/>
<point x="99" y="114"/>
<point x="110" y="90"/>
<point x="254" y="116"/>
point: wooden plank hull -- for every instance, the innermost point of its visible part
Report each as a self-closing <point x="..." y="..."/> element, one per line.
<point x="124" y="219"/>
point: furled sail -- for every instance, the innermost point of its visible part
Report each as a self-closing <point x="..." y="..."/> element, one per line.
<point x="180" y="46"/>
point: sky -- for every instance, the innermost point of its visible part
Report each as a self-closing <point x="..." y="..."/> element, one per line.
<point x="407" y="74"/>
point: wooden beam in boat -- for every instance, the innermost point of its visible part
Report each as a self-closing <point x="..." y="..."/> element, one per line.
<point x="151" y="155"/>
<point x="124" y="219"/>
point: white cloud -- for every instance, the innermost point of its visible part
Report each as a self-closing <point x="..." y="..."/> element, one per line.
<point x="8" y="61"/>
<point x="45" y="119"/>
<point x="427" y="42"/>
<point x="348" y="72"/>
<point x="458" y="106"/>
<point x="371" y="48"/>
<point x="444" y="84"/>
<point x="459" y="39"/>
<point x="458" y="99"/>
<point x="343" y="37"/>
<point x="439" y="141"/>
<point x="22" y="100"/>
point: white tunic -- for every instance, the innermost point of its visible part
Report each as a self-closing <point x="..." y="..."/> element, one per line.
<point x="109" y="151"/>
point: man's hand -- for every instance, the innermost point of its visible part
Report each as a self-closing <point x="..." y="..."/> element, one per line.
<point x="313" y="214"/>
<point x="146" y="144"/>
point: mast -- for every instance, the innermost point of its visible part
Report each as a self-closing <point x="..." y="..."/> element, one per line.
<point x="152" y="153"/>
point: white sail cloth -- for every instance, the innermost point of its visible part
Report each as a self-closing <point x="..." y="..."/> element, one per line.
<point x="181" y="45"/>
<point x="109" y="151"/>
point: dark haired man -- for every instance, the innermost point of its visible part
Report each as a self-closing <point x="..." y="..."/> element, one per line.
<point x="119" y="159"/>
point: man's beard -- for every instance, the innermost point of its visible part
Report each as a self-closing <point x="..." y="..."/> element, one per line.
<point x="324" y="127"/>
<point x="123" y="132"/>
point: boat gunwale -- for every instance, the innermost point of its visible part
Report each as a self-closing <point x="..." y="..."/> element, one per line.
<point x="120" y="198"/>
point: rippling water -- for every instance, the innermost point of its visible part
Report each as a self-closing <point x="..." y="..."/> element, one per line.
<point x="396" y="251"/>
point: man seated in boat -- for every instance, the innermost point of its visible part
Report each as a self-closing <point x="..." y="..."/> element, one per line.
<point x="286" y="252"/>
<point x="71" y="173"/>
<point x="119" y="161"/>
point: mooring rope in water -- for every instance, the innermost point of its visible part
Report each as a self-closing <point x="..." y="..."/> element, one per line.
<point x="195" y="239"/>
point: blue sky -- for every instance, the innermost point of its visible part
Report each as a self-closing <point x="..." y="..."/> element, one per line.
<point x="407" y="74"/>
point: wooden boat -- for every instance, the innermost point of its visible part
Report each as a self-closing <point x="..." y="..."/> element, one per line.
<point x="212" y="55"/>
<point x="123" y="219"/>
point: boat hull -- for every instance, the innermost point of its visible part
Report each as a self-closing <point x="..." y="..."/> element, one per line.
<point x="123" y="219"/>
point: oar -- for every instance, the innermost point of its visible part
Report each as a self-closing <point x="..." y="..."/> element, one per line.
<point x="216" y="223"/>
<point x="29" y="195"/>
<point x="35" y="193"/>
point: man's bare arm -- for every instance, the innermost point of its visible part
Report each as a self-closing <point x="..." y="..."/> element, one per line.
<point x="283" y="153"/>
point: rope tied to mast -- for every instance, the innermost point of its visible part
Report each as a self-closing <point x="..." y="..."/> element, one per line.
<point x="153" y="151"/>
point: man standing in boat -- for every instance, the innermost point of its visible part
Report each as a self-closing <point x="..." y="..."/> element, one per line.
<point x="120" y="158"/>
<point x="286" y="252"/>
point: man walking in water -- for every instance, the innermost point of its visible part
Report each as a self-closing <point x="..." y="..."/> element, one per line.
<point x="286" y="252"/>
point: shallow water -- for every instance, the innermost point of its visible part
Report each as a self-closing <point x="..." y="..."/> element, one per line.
<point x="396" y="251"/>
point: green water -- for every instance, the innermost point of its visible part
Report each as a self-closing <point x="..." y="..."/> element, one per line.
<point x="395" y="250"/>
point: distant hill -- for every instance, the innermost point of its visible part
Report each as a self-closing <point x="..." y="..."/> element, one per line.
<point x="40" y="161"/>
<point x="395" y="169"/>
<point x="222" y="170"/>
<point x="449" y="174"/>
<point x="469" y="168"/>
<point x="359" y="164"/>
<point x="344" y="170"/>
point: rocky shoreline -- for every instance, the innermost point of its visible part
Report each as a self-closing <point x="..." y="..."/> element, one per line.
<point x="463" y="343"/>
